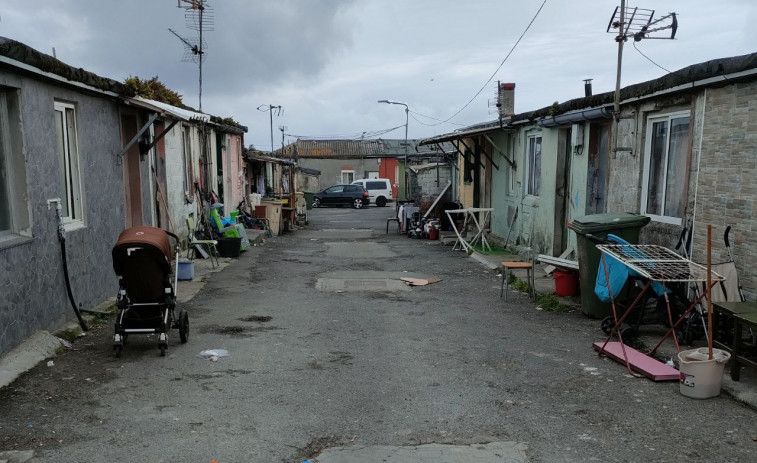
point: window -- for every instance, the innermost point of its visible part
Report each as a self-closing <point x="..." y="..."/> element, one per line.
<point x="533" y="165"/>
<point x="335" y="189"/>
<point x="666" y="154"/>
<point x="348" y="176"/>
<point x="350" y="189"/>
<point x="69" y="175"/>
<point x="468" y="166"/>
<point x="14" y="207"/>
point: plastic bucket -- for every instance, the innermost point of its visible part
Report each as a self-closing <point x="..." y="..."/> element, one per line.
<point x="229" y="247"/>
<point x="433" y="233"/>
<point x="701" y="377"/>
<point x="566" y="283"/>
<point x="186" y="270"/>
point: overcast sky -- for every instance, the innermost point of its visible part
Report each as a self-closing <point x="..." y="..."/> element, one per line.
<point x="327" y="62"/>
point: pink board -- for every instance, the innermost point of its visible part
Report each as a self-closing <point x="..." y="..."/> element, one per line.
<point x="644" y="364"/>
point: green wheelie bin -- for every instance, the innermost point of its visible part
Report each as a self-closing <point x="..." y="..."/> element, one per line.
<point x="625" y="225"/>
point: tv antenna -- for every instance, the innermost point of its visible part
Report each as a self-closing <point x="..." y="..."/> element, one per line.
<point x="637" y="23"/>
<point x="198" y="16"/>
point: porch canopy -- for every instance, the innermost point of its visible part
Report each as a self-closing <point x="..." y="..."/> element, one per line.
<point x="482" y="130"/>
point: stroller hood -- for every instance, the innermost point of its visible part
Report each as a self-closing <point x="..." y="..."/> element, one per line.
<point x="154" y="239"/>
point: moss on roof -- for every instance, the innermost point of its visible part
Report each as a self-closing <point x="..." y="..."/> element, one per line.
<point x="19" y="52"/>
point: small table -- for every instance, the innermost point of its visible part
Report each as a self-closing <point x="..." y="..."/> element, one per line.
<point x="744" y="315"/>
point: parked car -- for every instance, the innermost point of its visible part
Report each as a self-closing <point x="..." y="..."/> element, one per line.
<point x="340" y="195"/>
<point x="379" y="189"/>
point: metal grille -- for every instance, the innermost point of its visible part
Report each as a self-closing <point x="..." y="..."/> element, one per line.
<point x="658" y="263"/>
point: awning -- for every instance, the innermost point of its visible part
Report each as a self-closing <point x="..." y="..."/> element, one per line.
<point x="467" y="133"/>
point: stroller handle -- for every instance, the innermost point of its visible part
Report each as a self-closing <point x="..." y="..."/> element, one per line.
<point x="725" y="236"/>
<point x="596" y="239"/>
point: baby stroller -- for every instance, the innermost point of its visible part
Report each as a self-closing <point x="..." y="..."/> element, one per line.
<point x="146" y="298"/>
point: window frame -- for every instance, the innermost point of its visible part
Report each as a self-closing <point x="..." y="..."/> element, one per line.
<point x="70" y="175"/>
<point x="651" y="120"/>
<point x="529" y="168"/>
<point x="349" y="172"/>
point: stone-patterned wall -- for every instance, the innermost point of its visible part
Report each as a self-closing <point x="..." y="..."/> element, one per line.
<point x="727" y="189"/>
<point x="33" y="294"/>
<point x="423" y="187"/>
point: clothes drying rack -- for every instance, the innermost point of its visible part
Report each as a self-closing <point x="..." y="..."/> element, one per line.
<point x="656" y="264"/>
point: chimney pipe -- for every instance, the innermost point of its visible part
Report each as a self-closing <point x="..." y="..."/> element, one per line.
<point x="587" y="87"/>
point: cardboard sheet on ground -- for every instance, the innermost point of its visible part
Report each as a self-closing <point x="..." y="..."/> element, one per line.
<point x="420" y="281"/>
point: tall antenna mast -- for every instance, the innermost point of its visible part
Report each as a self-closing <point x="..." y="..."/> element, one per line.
<point x="199" y="17"/>
<point x="640" y="24"/>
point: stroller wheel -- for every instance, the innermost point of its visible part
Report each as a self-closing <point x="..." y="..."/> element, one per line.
<point x="607" y="325"/>
<point x="162" y="350"/>
<point x="183" y="326"/>
<point x="118" y="350"/>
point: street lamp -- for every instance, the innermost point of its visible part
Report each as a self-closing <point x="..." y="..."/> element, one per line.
<point x="407" y="112"/>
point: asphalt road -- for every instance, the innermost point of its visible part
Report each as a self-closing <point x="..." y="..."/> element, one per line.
<point x="327" y="350"/>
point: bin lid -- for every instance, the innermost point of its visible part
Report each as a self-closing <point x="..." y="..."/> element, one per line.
<point x="607" y="222"/>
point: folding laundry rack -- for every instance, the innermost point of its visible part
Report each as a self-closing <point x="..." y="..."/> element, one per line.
<point x="656" y="264"/>
<point x="481" y="223"/>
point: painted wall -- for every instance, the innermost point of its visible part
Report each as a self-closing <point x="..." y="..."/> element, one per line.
<point x="34" y="293"/>
<point x="331" y="168"/>
<point x="390" y="168"/>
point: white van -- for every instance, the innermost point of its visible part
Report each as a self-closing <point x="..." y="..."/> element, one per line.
<point x="379" y="189"/>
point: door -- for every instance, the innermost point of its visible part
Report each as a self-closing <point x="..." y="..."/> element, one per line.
<point x="599" y="152"/>
<point x="562" y="188"/>
<point x="131" y="172"/>
<point x="159" y="161"/>
<point x="333" y="195"/>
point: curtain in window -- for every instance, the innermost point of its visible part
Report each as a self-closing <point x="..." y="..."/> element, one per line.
<point x="534" y="166"/>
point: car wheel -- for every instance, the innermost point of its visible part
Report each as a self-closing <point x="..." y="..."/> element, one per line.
<point x="357" y="203"/>
<point x="381" y="201"/>
<point x="316" y="202"/>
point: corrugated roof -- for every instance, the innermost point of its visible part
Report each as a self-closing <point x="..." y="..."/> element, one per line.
<point x="338" y="149"/>
<point x="354" y="149"/>
<point x="178" y="113"/>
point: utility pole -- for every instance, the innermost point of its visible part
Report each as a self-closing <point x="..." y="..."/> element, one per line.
<point x="270" y="108"/>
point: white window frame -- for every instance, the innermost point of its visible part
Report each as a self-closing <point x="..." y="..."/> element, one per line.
<point x="348" y="172"/>
<point x="69" y="160"/>
<point x="529" y="182"/>
<point x="647" y="161"/>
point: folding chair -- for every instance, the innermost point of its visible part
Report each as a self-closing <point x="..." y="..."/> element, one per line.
<point x="193" y="242"/>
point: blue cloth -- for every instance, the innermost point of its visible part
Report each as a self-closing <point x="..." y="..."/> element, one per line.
<point x="617" y="273"/>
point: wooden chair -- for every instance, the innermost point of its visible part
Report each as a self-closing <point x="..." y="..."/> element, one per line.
<point x="194" y="243"/>
<point x="509" y="266"/>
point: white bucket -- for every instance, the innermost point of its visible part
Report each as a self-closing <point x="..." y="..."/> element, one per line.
<point x="701" y="377"/>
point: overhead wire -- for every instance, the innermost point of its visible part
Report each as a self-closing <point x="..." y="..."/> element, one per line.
<point x="413" y="114"/>
<point x="495" y="72"/>
<point x="362" y="135"/>
<point x="650" y="59"/>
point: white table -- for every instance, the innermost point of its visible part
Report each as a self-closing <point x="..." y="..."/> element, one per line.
<point x="481" y="222"/>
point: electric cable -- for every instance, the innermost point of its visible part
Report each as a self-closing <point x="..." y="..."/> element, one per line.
<point x="650" y="59"/>
<point x="496" y="71"/>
